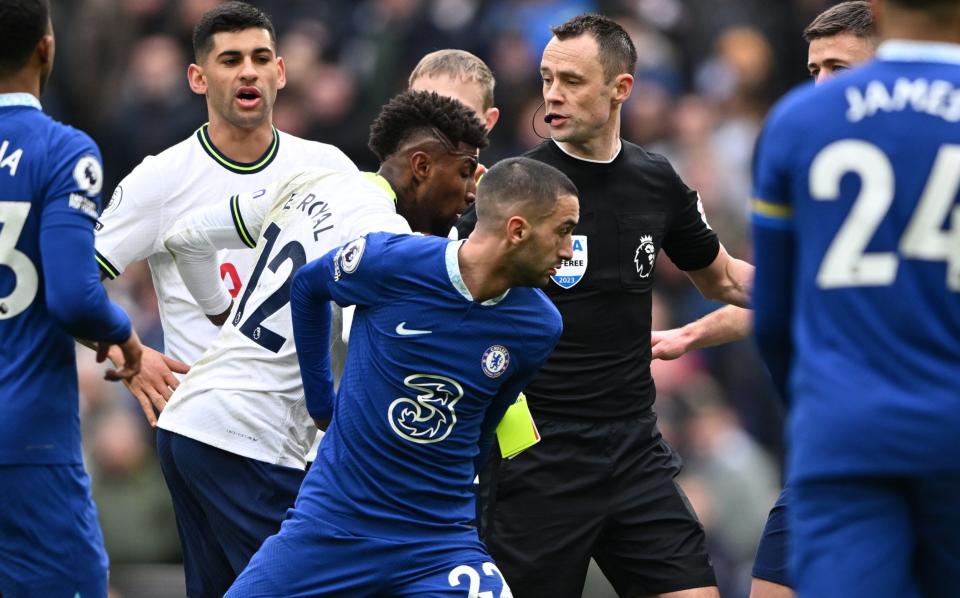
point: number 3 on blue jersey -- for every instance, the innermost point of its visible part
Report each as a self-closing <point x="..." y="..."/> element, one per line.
<point x="846" y="263"/>
<point x="253" y="327"/>
<point x="13" y="215"/>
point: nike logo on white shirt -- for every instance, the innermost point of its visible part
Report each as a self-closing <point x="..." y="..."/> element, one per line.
<point x="402" y="330"/>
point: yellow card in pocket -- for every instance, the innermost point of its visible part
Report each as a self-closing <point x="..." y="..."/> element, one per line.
<point x="517" y="431"/>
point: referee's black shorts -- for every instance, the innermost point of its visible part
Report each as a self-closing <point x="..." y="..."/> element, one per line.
<point x="600" y="489"/>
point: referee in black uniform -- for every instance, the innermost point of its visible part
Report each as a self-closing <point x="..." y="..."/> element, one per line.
<point x="601" y="482"/>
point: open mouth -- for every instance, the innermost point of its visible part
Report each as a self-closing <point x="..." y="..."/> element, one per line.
<point x="248" y="97"/>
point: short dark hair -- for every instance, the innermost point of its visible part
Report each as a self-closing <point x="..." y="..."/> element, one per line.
<point x="424" y="111"/>
<point x="847" y="17"/>
<point x="232" y="17"/>
<point x="22" y="24"/>
<point x="521" y="181"/>
<point x="617" y="53"/>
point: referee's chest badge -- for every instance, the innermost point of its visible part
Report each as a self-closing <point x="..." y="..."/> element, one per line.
<point x="571" y="271"/>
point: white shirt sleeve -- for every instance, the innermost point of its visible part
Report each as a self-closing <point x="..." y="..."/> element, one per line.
<point x="130" y="226"/>
<point x="195" y="239"/>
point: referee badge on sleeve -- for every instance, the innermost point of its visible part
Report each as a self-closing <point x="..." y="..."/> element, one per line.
<point x="571" y="271"/>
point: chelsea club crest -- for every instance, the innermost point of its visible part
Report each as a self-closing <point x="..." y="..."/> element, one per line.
<point x="495" y="361"/>
<point x="571" y="271"/>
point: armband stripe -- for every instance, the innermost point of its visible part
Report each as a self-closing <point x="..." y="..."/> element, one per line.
<point x="238" y="222"/>
<point x="105" y="266"/>
<point x="771" y="210"/>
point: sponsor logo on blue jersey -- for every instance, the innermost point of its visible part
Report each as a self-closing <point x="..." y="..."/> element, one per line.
<point x="429" y="416"/>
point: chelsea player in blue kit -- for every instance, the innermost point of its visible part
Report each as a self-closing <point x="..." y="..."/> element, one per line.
<point x="857" y="234"/>
<point x="50" y="180"/>
<point x="445" y="336"/>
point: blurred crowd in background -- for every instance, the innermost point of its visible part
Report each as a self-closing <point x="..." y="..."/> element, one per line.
<point x="708" y="72"/>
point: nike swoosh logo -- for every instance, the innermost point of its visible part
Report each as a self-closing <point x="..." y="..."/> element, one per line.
<point x="402" y="330"/>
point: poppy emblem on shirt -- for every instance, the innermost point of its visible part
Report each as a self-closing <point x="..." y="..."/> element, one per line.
<point x="645" y="256"/>
<point x="571" y="271"/>
<point x="495" y="361"/>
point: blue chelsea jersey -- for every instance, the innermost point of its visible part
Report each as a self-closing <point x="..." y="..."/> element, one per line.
<point x="428" y="376"/>
<point x="857" y="225"/>
<point x="50" y="180"/>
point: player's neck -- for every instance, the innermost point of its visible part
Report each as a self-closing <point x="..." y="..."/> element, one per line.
<point x="240" y="144"/>
<point x="918" y="26"/>
<point x="21" y="82"/>
<point x="602" y="147"/>
<point x="480" y="268"/>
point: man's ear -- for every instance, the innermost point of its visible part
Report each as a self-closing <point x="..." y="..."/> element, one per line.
<point x="45" y="50"/>
<point x="622" y="86"/>
<point x="518" y="229"/>
<point x="196" y="79"/>
<point x="282" y="73"/>
<point x="420" y="165"/>
<point x="490" y="118"/>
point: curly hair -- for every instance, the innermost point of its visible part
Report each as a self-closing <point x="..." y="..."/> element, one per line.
<point x="414" y="111"/>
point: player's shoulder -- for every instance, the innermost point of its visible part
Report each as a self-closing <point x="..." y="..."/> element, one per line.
<point x="637" y="156"/>
<point x="308" y="150"/>
<point x="544" y="317"/>
<point x="178" y="158"/>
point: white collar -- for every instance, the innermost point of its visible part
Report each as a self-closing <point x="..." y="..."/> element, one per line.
<point x="911" y="50"/>
<point x="615" y="154"/>
<point x="453" y="271"/>
<point x="19" y="99"/>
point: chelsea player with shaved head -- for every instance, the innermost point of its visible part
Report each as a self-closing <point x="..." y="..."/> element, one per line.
<point x="445" y="336"/>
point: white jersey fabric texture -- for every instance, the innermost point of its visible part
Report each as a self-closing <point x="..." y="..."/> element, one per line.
<point x="162" y="189"/>
<point x="245" y="394"/>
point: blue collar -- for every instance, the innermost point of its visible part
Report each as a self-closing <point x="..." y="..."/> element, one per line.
<point x="919" y="51"/>
<point x="19" y="99"/>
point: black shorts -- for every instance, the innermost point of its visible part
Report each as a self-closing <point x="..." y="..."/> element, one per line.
<point x="593" y="489"/>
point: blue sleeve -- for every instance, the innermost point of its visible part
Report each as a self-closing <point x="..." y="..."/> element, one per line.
<point x="310" y="308"/>
<point x="74" y="295"/>
<point x="511" y="390"/>
<point x="773" y="238"/>
<point x="349" y="275"/>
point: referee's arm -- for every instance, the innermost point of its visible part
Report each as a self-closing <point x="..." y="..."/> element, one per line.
<point x="726" y="279"/>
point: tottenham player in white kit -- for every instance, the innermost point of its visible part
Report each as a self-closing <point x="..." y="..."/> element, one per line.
<point x="234" y="438"/>
<point x="239" y="149"/>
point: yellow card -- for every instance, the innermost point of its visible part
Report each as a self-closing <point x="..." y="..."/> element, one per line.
<point x="517" y="431"/>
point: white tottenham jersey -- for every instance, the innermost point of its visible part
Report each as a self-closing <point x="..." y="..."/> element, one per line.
<point x="245" y="394"/>
<point x="188" y="176"/>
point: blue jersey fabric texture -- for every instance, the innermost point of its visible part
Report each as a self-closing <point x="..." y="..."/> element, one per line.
<point x="428" y="376"/>
<point x="418" y="396"/>
<point x="50" y="539"/>
<point x="856" y="293"/>
<point x="50" y="289"/>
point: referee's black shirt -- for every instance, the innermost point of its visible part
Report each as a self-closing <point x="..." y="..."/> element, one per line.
<point x="601" y="367"/>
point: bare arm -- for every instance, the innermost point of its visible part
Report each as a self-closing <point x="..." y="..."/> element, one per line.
<point x="725" y="325"/>
<point x="726" y="279"/>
